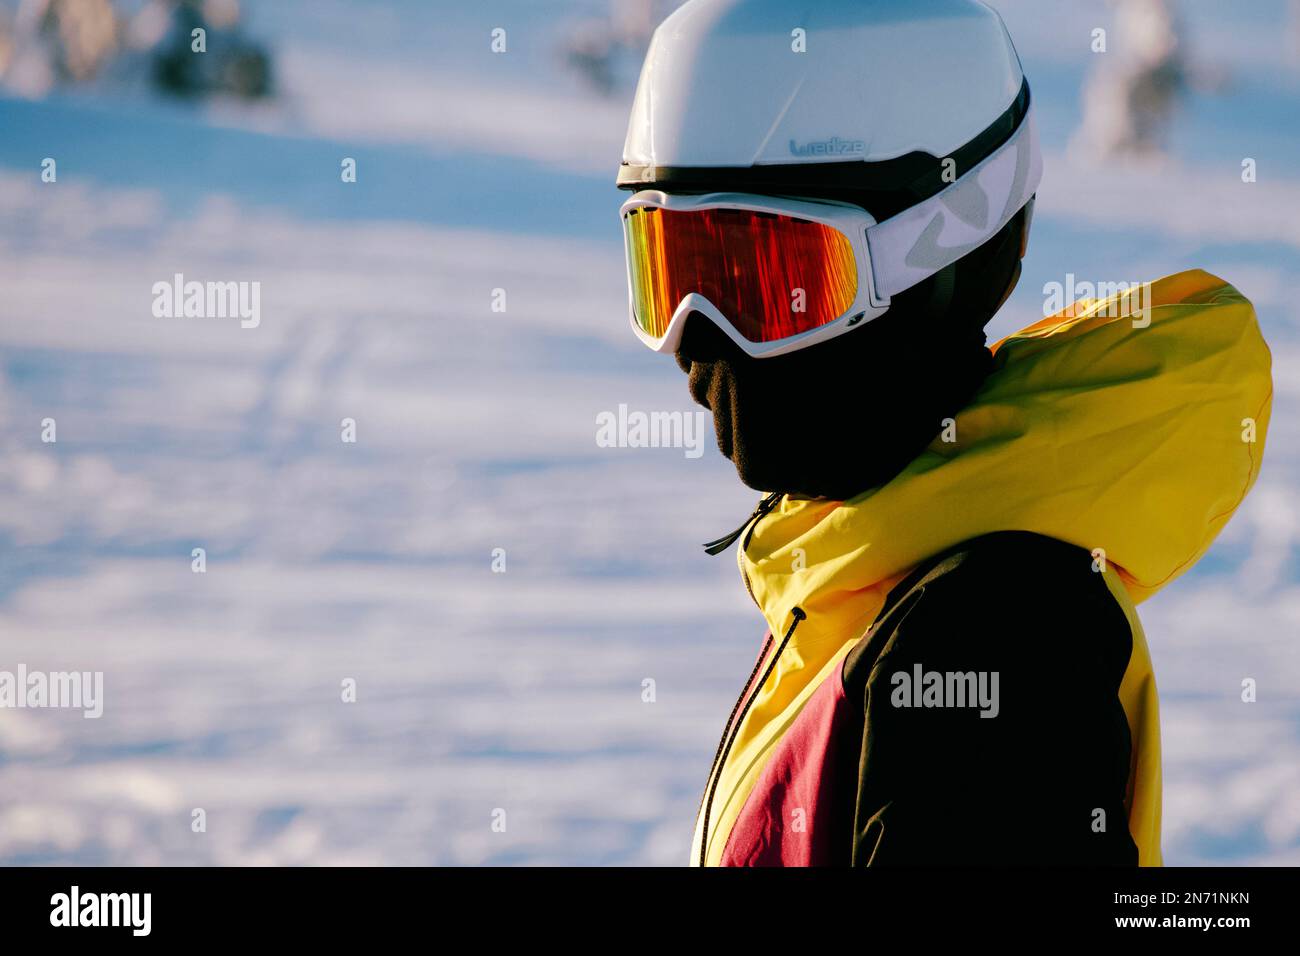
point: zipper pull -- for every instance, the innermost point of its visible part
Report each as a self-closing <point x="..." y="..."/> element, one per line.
<point x="727" y="540"/>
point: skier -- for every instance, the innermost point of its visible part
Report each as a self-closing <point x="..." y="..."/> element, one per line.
<point x="829" y="203"/>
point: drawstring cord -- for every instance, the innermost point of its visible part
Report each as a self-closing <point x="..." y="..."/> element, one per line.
<point x="726" y="728"/>
<point x="730" y="732"/>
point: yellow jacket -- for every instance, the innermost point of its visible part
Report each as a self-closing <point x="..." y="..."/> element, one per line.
<point x="1132" y="434"/>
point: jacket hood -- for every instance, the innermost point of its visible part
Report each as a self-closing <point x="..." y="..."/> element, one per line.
<point x="1130" y="426"/>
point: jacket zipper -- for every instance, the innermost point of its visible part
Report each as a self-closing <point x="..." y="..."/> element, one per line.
<point x="727" y="540"/>
<point x="730" y="732"/>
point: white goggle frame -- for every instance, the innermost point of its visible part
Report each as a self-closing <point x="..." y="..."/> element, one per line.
<point x="891" y="256"/>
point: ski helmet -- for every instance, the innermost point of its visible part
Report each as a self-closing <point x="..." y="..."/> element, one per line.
<point x="915" y="110"/>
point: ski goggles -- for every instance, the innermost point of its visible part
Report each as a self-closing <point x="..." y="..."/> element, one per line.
<point x="778" y="274"/>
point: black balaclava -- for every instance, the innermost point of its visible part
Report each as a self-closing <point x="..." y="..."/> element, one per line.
<point x="846" y="415"/>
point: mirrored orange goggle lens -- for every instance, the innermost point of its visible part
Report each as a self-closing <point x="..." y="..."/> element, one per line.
<point x="771" y="275"/>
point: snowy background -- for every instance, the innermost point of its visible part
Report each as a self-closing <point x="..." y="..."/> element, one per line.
<point x="476" y="430"/>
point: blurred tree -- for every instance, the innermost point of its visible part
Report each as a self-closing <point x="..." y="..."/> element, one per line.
<point x="1133" y="91"/>
<point x="49" y="43"/>
<point x="607" y="51"/>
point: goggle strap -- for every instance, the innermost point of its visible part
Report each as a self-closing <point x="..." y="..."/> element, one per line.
<point x="922" y="239"/>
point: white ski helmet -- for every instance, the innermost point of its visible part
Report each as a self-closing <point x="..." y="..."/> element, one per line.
<point x="917" y="110"/>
